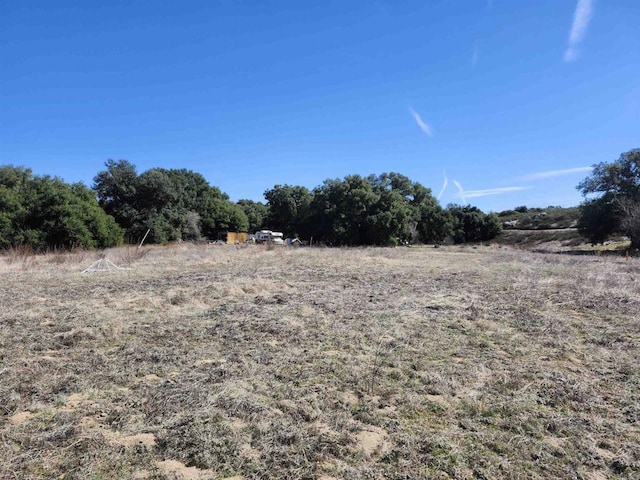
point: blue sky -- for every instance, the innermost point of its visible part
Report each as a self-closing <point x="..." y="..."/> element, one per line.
<point x="509" y="101"/>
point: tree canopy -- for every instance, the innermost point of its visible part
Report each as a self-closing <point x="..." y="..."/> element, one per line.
<point x="387" y="209"/>
<point x="173" y="204"/>
<point x="179" y="204"/>
<point x="287" y="209"/>
<point x="45" y="212"/>
<point x="612" y="200"/>
<point x="472" y="225"/>
<point x="256" y="213"/>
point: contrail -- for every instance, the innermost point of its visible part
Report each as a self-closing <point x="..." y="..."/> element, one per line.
<point x="444" y="185"/>
<point x="556" y="173"/>
<point x="581" y="18"/>
<point x="423" y="126"/>
<point x="492" y="191"/>
<point x="460" y="192"/>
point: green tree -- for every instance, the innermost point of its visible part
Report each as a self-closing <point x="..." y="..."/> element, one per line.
<point x="288" y="208"/>
<point x="472" y="225"/>
<point x="172" y="204"/>
<point x="256" y="213"/>
<point x="630" y="222"/>
<point x="616" y="187"/>
<point x="376" y="210"/>
<point x="159" y="208"/>
<point x="219" y="215"/>
<point x="102" y="227"/>
<point x="468" y="223"/>
<point x="192" y="196"/>
<point x="45" y="212"/>
<point x="340" y="210"/>
<point x="13" y="182"/>
<point x="390" y="217"/>
<point x="598" y="219"/>
<point x="620" y="178"/>
<point x="491" y="226"/>
<point x="190" y="187"/>
<point x="433" y="224"/>
<point x="116" y="189"/>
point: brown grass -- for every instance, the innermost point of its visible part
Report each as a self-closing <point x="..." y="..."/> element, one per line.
<point x="211" y="362"/>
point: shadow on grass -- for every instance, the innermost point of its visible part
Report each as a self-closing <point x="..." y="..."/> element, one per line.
<point x="618" y="252"/>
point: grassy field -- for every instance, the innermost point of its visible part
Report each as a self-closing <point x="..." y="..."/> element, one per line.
<point x="212" y="362"/>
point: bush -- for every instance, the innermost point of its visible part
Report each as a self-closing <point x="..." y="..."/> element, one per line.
<point x="45" y="212"/>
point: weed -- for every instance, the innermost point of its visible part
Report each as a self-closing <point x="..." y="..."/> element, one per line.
<point x="130" y="254"/>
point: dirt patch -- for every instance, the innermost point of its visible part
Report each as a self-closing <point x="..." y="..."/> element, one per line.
<point x="388" y="410"/>
<point x="249" y="452"/>
<point x="349" y="398"/>
<point x="145" y="440"/>
<point x="595" y="475"/>
<point x="606" y="454"/>
<point x="180" y="471"/>
<point x="19" y="418"/>
<point x="556" y="442"/>
<point x="208" y="361"/>
<point x="74" y="401"/>
<point x="238" y="424"/>
<point x="373" y="441"/>
<point x="141" y="475"/>
<point x="439" y="399"/>
<point x="151" y="378"/>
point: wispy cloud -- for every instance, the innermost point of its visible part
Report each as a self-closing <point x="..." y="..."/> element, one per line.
<point x="461" y="192"/>
<point x="444" y="186"/>
<point x="423" y="126"/>
<point x="474" y="58"/>
<point x="464" y="194"/>
<point x="555" y="173"/>
<point x="581" y="19"/>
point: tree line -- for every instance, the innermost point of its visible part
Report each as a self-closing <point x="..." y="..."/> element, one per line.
<point x="45" y="212"/>
<point x="387" y="209"/>
<point x="122" y="205"/>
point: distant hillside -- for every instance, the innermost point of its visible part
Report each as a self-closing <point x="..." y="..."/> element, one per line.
<point x="550" y="218"/>
<point x="551" y="228"/>
<point x="532" y="238"/>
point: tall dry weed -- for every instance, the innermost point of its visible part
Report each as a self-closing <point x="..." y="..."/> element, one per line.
<point x="19" y="253"/>
<point x="130" y="254"/>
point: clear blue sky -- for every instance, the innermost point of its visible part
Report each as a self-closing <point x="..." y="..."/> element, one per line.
<point x="511" y="100"/>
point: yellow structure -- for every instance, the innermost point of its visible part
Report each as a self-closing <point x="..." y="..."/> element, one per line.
<point x="237" y="237"/>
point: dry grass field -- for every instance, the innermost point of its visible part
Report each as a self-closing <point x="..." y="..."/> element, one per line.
<point x="213" y="362"/>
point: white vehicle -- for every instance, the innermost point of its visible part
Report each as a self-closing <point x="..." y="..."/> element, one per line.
<point x="269" y="236"/>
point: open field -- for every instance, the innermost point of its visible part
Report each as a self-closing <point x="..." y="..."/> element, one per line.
<point x="212" y="362"/>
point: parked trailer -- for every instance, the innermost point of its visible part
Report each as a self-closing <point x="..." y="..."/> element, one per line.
<point x="264" y="236"/>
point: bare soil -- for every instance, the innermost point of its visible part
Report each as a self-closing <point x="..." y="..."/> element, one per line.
<point x="218" y="362"/>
